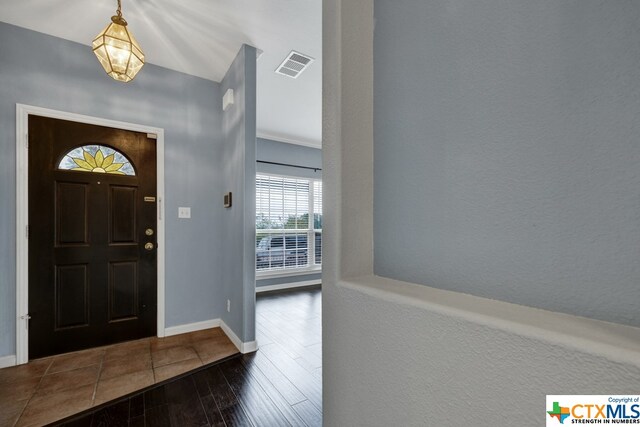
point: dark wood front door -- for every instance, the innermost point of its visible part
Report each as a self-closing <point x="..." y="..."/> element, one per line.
<point x="92" y="211"/>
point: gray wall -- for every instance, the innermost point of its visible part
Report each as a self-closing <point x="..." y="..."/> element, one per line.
<point x="506" y="151"/>
<point x="281" y="152"/>
<point x="407" y="354"/>
<point x="44" y="71"/>
<point x="238" y="231"/>
<point x="395" y="359"/>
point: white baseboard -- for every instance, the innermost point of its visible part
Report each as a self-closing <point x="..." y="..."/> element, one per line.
<point x="287" y="286"/>
<point x="243" y="347"/>
<point x="6" y="361"/>
<point x="249" y="347"/>
<point x="191" y="327"/>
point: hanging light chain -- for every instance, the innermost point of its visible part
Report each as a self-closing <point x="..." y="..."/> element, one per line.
<point x="117" y="18"/>
<point x="116" y="49"/>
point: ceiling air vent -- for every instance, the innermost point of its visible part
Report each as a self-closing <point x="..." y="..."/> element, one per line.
<point x="294" y="64"/>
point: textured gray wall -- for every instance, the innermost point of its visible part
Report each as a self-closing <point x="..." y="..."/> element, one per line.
<point x="275" y="151"/>
<point x="400" y="361"/>
<point x="44" y="71"/>
<point x="506" y="151"/>
<point x="406" y="354"/>
<point x="238" y="231"/>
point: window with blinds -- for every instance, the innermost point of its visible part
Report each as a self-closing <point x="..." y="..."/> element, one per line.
<point x="288" y="223"/>
<point x="317" y="220"/>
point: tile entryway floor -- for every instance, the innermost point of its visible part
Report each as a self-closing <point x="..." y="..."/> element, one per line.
<point x="49" y="389"/>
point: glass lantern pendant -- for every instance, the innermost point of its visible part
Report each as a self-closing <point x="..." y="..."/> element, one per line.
<point x="117" y="50"/>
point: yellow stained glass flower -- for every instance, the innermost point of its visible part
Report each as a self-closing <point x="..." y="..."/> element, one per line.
<point x="96" y="158"/>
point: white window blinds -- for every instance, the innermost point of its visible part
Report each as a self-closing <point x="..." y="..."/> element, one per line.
<point x="285" y="236"/>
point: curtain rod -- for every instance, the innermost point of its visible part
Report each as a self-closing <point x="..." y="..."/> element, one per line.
<point x="287" y="164"/>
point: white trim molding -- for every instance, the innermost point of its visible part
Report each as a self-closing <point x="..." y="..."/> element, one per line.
<point x="22" y="213"/>
<point x="276" y="274"/>
<point x="7" y="361"/>
<point x="243" y="347"/>
<point x="283" y="286"/>
<point x="288" y="140"/>
<point x="191" y="327"/>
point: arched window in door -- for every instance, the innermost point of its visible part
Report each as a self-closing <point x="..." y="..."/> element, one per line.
<point x="98" y="159"/>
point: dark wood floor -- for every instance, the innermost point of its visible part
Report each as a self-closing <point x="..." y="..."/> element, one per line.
<point x="279" y="385"/>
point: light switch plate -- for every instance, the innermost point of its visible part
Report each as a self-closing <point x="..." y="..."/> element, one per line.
<point x="184" y="212"/>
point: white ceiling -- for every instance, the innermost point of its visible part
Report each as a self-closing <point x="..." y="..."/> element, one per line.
<point x="201" y="37"/>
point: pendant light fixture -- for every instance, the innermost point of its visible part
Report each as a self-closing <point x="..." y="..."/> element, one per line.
<point x="117" y="50"/>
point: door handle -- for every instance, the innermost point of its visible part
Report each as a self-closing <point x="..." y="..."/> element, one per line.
<point x="148" y="246"/>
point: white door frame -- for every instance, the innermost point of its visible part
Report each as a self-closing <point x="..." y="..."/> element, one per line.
<point x="22" y="213"/>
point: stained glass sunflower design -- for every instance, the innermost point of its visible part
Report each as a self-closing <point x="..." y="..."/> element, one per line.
<point x="97" y="158"/>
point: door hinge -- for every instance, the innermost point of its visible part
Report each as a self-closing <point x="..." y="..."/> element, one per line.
<point x="27" y="318"/>
<point x="26" y="140"/>
<point x="27" y="236"/>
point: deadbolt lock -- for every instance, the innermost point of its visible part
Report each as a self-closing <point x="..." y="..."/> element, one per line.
<point x="148" y="246"/>
<point x="149" y="231"/>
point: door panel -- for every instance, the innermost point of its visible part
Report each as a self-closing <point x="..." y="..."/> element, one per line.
<point x="72" y="296"/>
<point x="123" y="291"/>
<point x="122" y="207"/>
<point x="71" y="213"/>
<point x="91" y="282"/>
